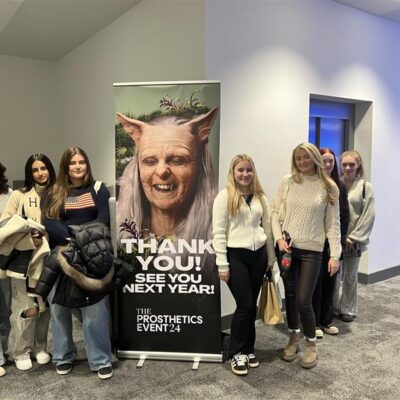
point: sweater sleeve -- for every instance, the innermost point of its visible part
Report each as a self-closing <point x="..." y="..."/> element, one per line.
<point x="12" y="206"/>
<point x="266" y="224"/>
<point x="220" y="219"/>
<point x="103" y="213"/>
<point x="332" y="228"/>
<point x="365" y="223"/>
<point x="58" y="232"/>
<point x="276" y="206"/>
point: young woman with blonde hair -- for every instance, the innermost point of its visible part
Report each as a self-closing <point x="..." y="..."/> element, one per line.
<point x="306" y="207"/>
<point x="243" y="243"/>
<point x="362" y="217"/>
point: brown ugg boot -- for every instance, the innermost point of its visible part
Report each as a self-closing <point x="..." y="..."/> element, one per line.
<point x="310" y="355"/>
<point x="292" y="348"/>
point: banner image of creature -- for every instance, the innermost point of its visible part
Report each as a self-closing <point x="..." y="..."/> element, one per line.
<point x="167" y="147"/>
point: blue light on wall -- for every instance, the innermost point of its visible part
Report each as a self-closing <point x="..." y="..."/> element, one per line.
<point x="328" y="124"/>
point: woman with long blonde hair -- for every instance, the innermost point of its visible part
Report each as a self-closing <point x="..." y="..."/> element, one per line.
<point x="243" y="243"/>
<point x="362" y="217"/>
<point x="306" y="210"/>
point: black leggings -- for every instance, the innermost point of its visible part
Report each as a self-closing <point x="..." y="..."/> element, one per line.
<point x="247" y="269"/>
<point x="300" y="281"/>
<point x="323" y="293"/>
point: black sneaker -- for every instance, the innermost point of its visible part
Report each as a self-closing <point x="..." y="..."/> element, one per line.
<point x="64" y="369"/>
<point x="347" y="317"/>
<point x="240" y="364"/>
<point x="253" y="360"/>
<point x="105" y="373"/>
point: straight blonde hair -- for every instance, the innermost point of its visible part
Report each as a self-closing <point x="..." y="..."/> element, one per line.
<point x="234" y="198"/>
<point x="330" y="186"/>
<point x="355" y="154"/>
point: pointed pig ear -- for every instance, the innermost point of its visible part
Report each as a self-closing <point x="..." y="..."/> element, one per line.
<point x="133" y="127"/>
<point x="201" y="125"/>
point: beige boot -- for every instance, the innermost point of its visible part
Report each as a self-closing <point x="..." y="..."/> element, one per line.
<point x="310" y="355"/>
<point x="292" y="348"/>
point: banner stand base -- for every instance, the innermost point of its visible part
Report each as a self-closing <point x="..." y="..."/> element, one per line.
<point x="196" y="364"/>
<point x="142" y="356"/>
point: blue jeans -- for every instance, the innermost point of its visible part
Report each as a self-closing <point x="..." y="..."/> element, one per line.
<point x="2" y="360"/>
<point x="96" y="332"/>
<point x="5" y="311"/>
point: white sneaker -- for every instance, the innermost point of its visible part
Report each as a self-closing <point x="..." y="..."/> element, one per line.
<point x="2" y="372"/>
<point x="331" y="330"/>
<point x="319" y="333"/>
<point x="24" y="362"/>
<point x="42" y="357"/>
<point x="240" y="364"/>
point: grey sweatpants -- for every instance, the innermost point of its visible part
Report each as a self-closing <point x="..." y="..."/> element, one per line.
<point x="346" y="303"/>
<point x="27" y="334"/>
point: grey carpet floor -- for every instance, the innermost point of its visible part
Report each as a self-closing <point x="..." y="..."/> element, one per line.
<point x="361" y="363"/>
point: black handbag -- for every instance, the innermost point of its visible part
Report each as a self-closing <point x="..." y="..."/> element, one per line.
<point x="352" y="251"/>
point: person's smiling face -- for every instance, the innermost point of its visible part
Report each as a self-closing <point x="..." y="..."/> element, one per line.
<point x="167" y="166"/>
<point x="329" y="162"/>
<point x="304" y="162"/>
<point x="40" y="172"/>
<point x="243" y="174"/>
<point x="349" y="167"/>
<point x="77" y="169"/>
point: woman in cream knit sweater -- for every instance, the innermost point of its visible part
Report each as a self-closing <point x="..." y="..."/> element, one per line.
<point x="306" y="207"/>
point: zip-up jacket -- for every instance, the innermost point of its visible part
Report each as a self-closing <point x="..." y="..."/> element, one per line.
<point x="249" y="229"/>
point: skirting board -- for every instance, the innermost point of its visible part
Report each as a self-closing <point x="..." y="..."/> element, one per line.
<point x="379" y="276"/>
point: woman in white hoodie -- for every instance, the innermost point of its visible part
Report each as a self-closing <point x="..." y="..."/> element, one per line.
<point x="243" y="243"/>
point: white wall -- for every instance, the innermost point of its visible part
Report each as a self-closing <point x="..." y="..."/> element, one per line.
<point x="270" y="56"/>
<point x="27" y="112"/>
<point x="154" y="41"/>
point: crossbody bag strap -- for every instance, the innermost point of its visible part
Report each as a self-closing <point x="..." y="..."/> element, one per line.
<point x="97" y="185"/>
<point x="363" y="190"/>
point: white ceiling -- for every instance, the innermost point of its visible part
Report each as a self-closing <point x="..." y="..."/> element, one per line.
<point x="50" y="29"/>
<point x="388" y="9"/>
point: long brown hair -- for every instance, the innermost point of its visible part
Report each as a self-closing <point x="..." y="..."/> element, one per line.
<point x="56" y="197"/>
<point x="3" y="180"/>
<point x="335" y="171"/>
<point x="29" y="181"/>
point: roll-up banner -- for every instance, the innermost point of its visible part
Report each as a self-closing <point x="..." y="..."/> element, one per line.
<point x="167" y="147"/>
